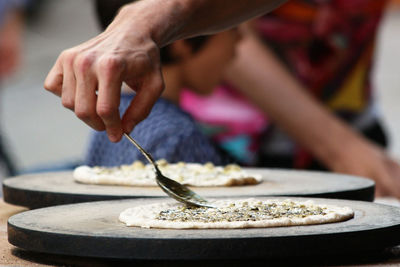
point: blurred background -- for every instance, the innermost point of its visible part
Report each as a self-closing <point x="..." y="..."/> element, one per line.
<point x="39" y="132"/>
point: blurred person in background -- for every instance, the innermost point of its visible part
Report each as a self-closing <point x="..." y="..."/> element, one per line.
<point x="300" y="95"/>
<point x="168" y="132"/>
<point x="11" y="29"/>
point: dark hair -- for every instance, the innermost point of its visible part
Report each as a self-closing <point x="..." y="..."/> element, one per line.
<point x="106" y="10"/>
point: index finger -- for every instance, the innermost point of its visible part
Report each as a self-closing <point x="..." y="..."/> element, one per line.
<point x="54" y="80"/>
<point x="144" y="100"/>
<point x="108" y="98"/>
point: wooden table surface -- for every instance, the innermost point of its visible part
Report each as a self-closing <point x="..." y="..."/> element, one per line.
<point x="12" y="256"/>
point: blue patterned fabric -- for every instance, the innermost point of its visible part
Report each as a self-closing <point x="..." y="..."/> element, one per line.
<point x="168" y="133"/>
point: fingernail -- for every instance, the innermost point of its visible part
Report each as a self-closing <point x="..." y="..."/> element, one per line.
<point x="113" y="137"/>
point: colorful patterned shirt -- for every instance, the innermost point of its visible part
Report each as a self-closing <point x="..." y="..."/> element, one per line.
<point x="328" y="45"/>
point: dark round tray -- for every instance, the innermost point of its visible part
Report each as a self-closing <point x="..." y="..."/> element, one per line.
<point x="49" y="189"/>
<point x="93" y="230"/>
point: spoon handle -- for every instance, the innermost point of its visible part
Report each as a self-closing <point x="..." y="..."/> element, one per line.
<point x="147" y="155"/>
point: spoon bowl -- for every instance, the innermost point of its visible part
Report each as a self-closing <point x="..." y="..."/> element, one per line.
<point x="173" y="189"/>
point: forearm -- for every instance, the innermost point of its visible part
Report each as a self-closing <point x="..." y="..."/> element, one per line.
<point x="267" y="83"/>
<point x="168" y="21"/>
<point x="264" y="80"/>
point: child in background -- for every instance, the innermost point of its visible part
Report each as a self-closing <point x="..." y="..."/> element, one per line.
<point x="169" y="132"/>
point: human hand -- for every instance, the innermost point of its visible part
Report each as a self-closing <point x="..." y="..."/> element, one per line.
<point x="88" y="77"/>
<point x="363" y="158"/>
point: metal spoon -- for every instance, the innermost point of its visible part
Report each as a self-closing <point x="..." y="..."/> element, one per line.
<point x="171" y="187"/>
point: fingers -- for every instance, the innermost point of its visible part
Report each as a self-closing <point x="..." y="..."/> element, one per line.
<point x="85" y="96"/>
<point x="54" y="80"/>
<point x="388" y="179"/>
<point x="384" y="185"/>
<point x="109" y="72"/>
<point x="144" y="100"/>
<point x="379" y="192"/>
<point x="102" y="64"/>
<point x="68" y="84"/>
<point x="395" y="177"/>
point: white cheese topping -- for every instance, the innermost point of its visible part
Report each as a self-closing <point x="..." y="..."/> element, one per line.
<point x="138" y="174"/>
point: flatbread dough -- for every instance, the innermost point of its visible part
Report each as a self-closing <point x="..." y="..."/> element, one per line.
<point x="194" y="174"/>
<point x="245" y="213"/>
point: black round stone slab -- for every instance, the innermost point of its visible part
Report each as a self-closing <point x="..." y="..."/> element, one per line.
<point x="93" y="230"/>
<point x="56" y="188"/>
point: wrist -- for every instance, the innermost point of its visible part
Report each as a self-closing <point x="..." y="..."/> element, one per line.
<point x="335" y="146"/>
<point x="163" y="29"/>
<point x="347" y="147"/>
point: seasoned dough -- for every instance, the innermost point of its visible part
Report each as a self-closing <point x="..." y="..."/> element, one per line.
<point x="194" y="174"/>
<point x="245" y="213"/>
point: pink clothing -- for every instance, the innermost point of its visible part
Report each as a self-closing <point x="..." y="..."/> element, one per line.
<point x="229" y="119"/>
